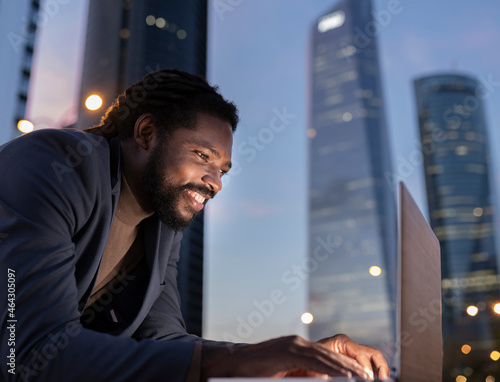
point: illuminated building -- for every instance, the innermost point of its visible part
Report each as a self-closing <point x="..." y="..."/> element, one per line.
<point x="125" y="41"/>
<point x="18" y="26"/>
<point x="352" y="218"/>
<point x="456" y="164"/>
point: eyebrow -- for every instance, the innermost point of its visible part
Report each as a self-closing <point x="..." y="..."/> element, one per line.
<point x="209" y="147"/>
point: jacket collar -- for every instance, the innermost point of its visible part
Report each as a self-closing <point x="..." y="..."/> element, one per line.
<point x="115" y="164"/>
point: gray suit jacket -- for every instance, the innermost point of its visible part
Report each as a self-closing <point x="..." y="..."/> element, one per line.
<point x="57" y="202"/>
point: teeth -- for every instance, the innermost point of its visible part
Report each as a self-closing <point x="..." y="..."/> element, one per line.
<point x="200" y="199"/>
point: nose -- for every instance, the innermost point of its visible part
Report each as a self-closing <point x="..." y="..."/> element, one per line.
<point x="212" y="180"/>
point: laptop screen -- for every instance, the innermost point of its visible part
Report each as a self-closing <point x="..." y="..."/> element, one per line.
<point x="419" y="273"/>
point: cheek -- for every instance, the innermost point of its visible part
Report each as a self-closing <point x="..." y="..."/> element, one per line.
<point x="182" y="173"/>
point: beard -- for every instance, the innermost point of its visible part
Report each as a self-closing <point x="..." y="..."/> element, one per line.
<point x="164" y="196"/>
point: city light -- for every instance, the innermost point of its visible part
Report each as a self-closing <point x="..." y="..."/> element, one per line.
<point x="490" y="378"/>
<point x="331" y="21"/>
<point x="468" y="371"/>
<point x="461" y="378"/>
<point x="496" y="308"/>
<point x="150" y="20"/>
<point x="472" y="310"/>
<point x="311" y="132"/>
<point x="466" y="349"/>
<point x="306" y="318"/>
<point x="124" y="33"/>
<point x="478" y="211"/>
<point x="461" y="150"/>
<point x="161" y="22"/>
<point x="181" y="34"/>
<point x="495" y="355"/>
<point x="25" y="126"/>
<point x="375" y="271"/>
<point x="93" y="102"/>
<point x="347" y="117"/>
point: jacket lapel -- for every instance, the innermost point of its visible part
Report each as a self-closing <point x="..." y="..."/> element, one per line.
<point x="152" y="235"/>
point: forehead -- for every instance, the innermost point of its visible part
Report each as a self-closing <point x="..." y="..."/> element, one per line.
<point x="209" y="130"/>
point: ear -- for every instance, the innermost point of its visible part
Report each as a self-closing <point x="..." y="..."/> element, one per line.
<point x="145" y="131"/>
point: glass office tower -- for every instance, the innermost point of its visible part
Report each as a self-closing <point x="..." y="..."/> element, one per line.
<point x="18" y="26"/>
<point x="456" y="163"/>
<point x="125" y="41"/>
<point x="352" y="218"/>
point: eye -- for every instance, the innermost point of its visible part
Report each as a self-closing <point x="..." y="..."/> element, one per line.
<point x="222" y="173"/>
<point x="202" y="155"/>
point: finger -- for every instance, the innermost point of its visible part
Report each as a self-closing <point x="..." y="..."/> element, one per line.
<point x="344" y="345"/>
<point x="320" y="355"/>
<point x="357" y="353"/>
<point x="286" y="354"/>
<point x="378" y="361"/>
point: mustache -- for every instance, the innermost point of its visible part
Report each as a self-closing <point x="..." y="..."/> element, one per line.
<point x="202" y="190"/>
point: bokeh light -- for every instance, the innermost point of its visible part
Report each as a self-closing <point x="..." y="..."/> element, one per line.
<point x="306" y="318"/>
<point x="161" y="22"/>
<point x="150" y="20"/>
<point x="495" y="355"/>
<point x="93" y="102"/>
<point x="472" y="310"/>
<point x="25" y="126"/>
<point x="496" y="308"/>
<point x="466" y="349"/>
<point x="375" y="271"/>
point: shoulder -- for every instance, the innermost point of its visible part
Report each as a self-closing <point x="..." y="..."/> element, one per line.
<point x="56" y="152"/>
<point x="54" y="138"/>
<point x="56" y="141"/>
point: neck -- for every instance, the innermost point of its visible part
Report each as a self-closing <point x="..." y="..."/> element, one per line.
<point x="133" y="164"/>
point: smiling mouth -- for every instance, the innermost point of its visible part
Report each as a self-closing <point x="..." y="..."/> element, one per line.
<point x="196" y="199"/>
<point x="200" y="199"/>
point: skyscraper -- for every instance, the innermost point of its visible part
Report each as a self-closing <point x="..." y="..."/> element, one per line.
<point x="352" y="218"/>
<point x="456" y="164"/>
<point x="18" y="25"/>
<point x="126" y="40"/>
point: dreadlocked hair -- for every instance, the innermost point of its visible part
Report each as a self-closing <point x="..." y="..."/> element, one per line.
<point x="172" y="97"/>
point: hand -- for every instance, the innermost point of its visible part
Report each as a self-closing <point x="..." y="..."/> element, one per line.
<point x="369" y="358"/>
<point x="279" y="357"/>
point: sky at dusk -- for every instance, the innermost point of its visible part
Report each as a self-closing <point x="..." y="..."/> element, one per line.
<point x="258" y="55"/>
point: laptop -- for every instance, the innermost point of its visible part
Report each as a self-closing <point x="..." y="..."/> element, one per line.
<point x="419" y="339"/>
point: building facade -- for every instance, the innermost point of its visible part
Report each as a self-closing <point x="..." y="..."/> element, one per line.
<point x="352" y="217"/>
<point x="454" y="139"/>
<point x="18" y="26"/>
<point x="125" y="41"/>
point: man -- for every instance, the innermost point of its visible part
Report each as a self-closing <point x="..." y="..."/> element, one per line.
<point x="91" y="225"/>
